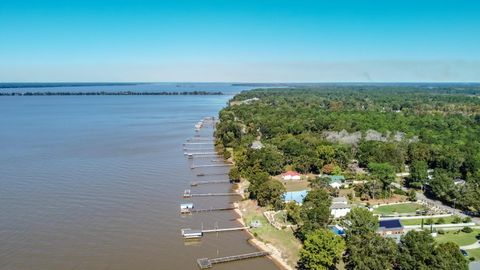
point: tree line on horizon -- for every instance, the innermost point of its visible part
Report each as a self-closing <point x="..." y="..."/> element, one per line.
<point x="115" y="93"/>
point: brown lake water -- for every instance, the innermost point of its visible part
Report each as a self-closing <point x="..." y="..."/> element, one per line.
<point x="95" y="182"/>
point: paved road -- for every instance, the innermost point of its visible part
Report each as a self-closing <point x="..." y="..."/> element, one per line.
<point x="448" y="208"/>
<point x="472" y="246"/>
<point x="438" y="204"/>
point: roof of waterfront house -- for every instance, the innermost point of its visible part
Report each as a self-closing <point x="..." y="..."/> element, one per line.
<point x="390" y="224"/>
<point x="291" y="173"/>
<point x="296" y="196"/>
<point x="339" y="200"/>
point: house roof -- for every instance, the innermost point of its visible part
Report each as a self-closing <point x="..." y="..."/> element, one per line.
<point x="335" y="178"/>
<point x="390" y="224"/>
<point x="296" y="196"/>
<point x="340" y="206"/>
<point x="256" y="145"/>
<point x="339" y="200"/>
<point x="290" y="173"/>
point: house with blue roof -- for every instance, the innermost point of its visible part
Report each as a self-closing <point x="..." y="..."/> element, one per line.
<point x="295" y="196"/>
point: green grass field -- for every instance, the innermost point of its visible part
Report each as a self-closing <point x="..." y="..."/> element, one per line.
<point x="474" y="253"/>
<point x="282" y="239"/>
<point x="404" y="208"/>
<point x="460" y="238"/>
<point x="408" y="222"/>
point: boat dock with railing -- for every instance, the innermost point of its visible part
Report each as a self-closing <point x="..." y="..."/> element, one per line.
<point x="205" y="263"/>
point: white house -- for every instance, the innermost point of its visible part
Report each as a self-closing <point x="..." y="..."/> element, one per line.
<point x="339" y="207"/>
<point x="291" y="175"/>
<point x="256" y="145"/>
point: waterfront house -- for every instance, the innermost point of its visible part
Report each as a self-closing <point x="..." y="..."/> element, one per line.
<point x="256" y="145"/>
<point x="291" y="175"/>
<point x="339" y="207"/>
<point x="390" y="227"/>
<point x="295" y="196"/>
<point x="335" y="181"/>
<point x="459" y="182"/>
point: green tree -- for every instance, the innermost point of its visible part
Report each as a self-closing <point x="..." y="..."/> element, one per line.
<point x="383" y="172"/>
<point x="360" y="221"/>
<point x="270" y="193"/>
<point x="442" y="185"/>
<point x="370" y="251"/>
<point x="234" y="174"/>
<point x="448" y="257"/>
<point x="418" y="173"/>
<point x="321" y="250"/>
<point x="412" y="196"/>
<point x="293" y="212"/>
<point x="315" y="212"/>
<point x="416" y="251"/>
<point x="270" y="159"/>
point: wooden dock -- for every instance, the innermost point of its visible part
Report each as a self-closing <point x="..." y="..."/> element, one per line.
<point x="193" y="184"/>
<point x="211" y="165"/>
<point x="208" y="156"/>
<point x="200" y="139"/>
<point x="197" y="149"/>
<point x="193" y="210"/>
<point x="225" y="229"/>
<point x="199" y="153"/>
<point x="205" y="263"/>
<point x="206" y="174"/>
<point x="198" y="143"/>
<point x="188" y="195"/>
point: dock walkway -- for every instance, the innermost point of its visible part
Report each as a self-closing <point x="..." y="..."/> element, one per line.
<point x="205" y="263"/>
<point x="211" y="165"/>
<point x="188" y="195"/>
<point x="189" y="211"/>
<point x="196" y="183"/>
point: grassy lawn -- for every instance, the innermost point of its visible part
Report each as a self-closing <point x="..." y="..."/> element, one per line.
<point x="474" y="253"/>
<point x="281" y="217"/>
<point x="403" y="208"/>
<point x="281" y="239"/>
<point x="295" y="185"/>
<point x="460" y="238"/>
<point x="407" y="222"/>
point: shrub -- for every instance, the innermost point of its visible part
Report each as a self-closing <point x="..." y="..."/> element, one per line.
<point x="467" y="220"/>
<point x="440" y="221"/>
<point x="456" y="219"/>
<point x="467" y="230"/>
<point x="440" y="231"/>
<point x="428" y="221"/>
<point x="412" y="196"/>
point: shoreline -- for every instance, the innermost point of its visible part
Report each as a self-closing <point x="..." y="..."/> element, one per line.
<point x="275" y="254"/>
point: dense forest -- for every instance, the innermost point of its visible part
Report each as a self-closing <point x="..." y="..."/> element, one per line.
<point x="431" y="131"/>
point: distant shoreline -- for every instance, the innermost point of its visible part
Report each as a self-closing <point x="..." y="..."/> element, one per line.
<point x="116" y="93"/>
<point x="67" y="84"/>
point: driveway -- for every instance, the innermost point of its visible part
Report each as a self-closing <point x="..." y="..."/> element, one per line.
<point x="472" y="246"/>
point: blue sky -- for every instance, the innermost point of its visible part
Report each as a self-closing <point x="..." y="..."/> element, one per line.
<point x="241" y="40"/>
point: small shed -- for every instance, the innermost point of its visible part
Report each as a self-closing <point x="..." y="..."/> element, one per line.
<point x="185" y="207"/>
<point x="189" y="233"/>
